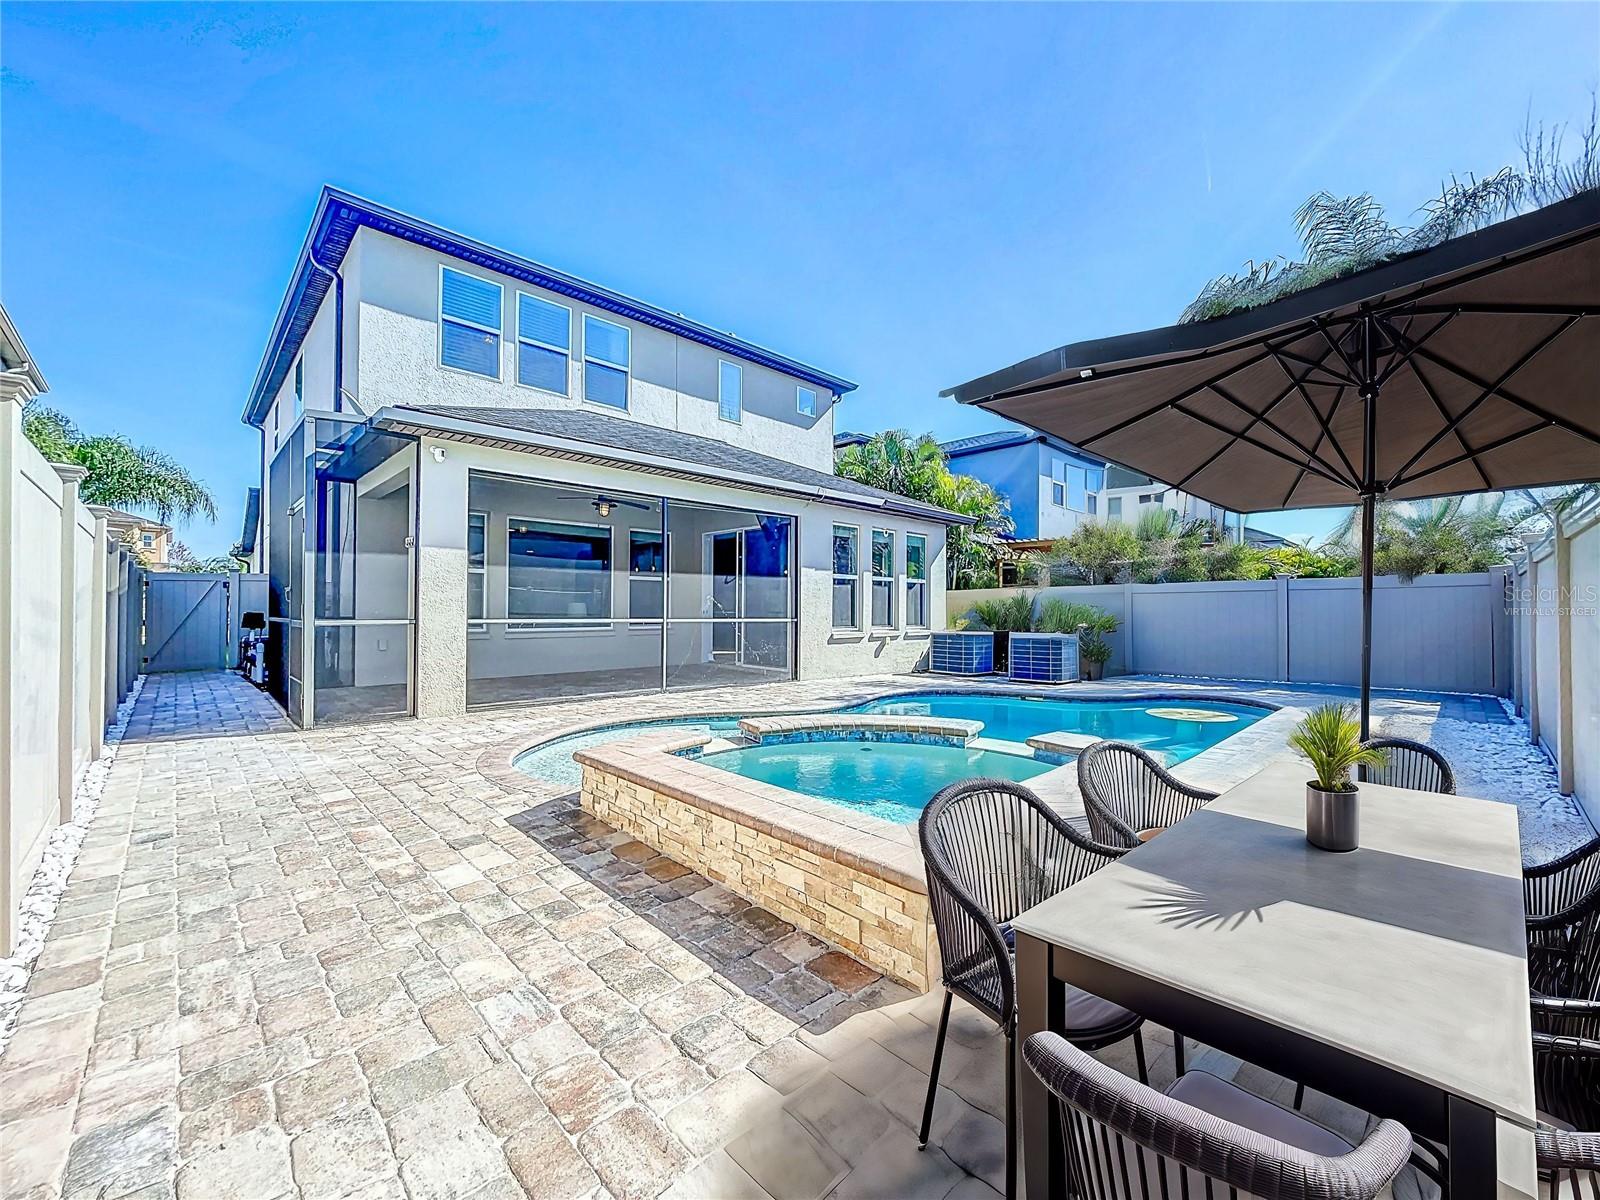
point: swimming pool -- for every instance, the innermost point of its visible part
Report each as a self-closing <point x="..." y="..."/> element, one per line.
<point x="892" y="780"/>
<point x="1005" y="717"/>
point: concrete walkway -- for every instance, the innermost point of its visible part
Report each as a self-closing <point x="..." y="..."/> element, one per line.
<point x="375" y="962"/>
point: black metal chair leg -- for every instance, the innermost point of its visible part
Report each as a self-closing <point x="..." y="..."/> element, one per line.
<point x="1138" y="1054"/>
<point x="1177" y="1050"/>
<point x="933" y="1072"/>
<point x="1011" y="1118"/>
<point x="1299" y="1096"/>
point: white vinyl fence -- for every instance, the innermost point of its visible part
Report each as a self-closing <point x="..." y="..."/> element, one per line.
<point x="1439" y="633"/>
<point x="70" y="601"/>
<point x="1555" y="628"/>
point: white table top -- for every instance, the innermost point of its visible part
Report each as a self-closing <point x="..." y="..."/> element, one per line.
<point x="1409" y="952"/>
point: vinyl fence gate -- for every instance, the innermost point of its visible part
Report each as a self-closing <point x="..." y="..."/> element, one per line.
<point x="186" y="621"/>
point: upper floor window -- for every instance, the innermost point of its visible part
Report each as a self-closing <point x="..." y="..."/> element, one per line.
<point x="916" y="581"/>
<point x="1058" y="493"/>
<point x="882" y="579"/>
<point x="1093" y="502"/>
<point x="544" y="343"/>
<point x="469" y="323"/>
<point x="846" y="578"/>
<point x="805" y="401"/>
<point x="299" y="385"/>
<point x="730" y="391"/>
<point x="605" y="362"/>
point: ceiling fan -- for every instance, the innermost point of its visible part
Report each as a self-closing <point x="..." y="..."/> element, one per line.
<point x="604" y="504"/>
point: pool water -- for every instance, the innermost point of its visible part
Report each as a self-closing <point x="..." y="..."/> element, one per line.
<point x="892" y="780"/>
<point x="1018" y="718"/>
<point x="552" y="761"/>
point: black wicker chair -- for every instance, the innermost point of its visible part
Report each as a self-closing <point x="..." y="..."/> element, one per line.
<point x="1409" y="764"/>
<point x="1558" y="885"/>
<point x="992" y="850"/>
<point x="1129" y="797"/>
<point x="1563" y="945"/>
<point x="1566" y="1069"/>
<point x="1125" y="1141"/>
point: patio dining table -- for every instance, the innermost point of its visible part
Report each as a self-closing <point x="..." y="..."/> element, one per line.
<point x="1393" y="977"/>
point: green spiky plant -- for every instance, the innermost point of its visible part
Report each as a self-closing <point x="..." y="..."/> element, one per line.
<point x="1340" y="236"/>
<point x="1330" y="738"/>
<point x="1005" y="614"/>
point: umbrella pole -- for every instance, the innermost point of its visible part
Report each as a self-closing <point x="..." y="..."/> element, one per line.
<point x="1369" y="518"/>
<point x="1369" y="513"/>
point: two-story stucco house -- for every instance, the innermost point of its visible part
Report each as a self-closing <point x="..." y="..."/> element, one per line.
<point x="487" y="481"/>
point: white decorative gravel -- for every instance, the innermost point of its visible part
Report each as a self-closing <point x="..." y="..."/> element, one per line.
<point x="1500" y="762"/>
<point x="39" y="902"/>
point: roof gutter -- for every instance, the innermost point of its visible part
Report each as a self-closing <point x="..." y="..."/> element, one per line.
<point x="409" y="421"/>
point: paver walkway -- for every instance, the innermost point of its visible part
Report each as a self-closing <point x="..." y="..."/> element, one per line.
<point x="350" y="963"/>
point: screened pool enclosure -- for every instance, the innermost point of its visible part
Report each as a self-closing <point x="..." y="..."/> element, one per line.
<point x="577" y="591"/>
<point x="569" y="590"/>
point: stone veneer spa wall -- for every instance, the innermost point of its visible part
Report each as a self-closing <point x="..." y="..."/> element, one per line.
<point x="853" y="880"/>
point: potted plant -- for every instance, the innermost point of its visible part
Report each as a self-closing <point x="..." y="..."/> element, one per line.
<point x="1330" y="738"/>
<point x="1094" y="650"/>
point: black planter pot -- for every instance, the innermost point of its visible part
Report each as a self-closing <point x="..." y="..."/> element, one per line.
<point x="1002" y="650"/>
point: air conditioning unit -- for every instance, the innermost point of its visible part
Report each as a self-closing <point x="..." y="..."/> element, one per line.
<point x="962" y="652"/>
<point x="1044" y="657"/>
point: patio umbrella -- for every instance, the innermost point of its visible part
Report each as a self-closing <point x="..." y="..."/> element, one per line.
<point x="1471" y="366"/>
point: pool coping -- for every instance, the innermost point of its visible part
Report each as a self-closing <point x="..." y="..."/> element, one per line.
<point x="883" y="849"/>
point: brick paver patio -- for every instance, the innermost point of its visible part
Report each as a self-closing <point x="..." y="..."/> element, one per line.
<point x="351" y="963"/>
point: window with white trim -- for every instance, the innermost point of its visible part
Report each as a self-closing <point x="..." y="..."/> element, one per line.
<point x="846" y="577"/>
<point x="606" y="354"/>
<point x="469" y="323"/>
<point x="556" y="570"/>
<point x="730" y="391"/>
<point x="544" y="343"/>
<point x="1058" y="493"/>
<point x="883" y="579"/>
<point x="647" y="574"/>
<point x="916" y="581"/>
<point x="805" y="401"/>
<point x="477" y="570"/>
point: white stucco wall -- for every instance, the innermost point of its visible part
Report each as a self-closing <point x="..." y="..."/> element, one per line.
<point x="392" y="358"/>
<point x="1585" y="675"/>
<point x="821" y="652"/>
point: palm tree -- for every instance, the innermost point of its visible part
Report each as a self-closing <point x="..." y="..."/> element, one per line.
<point x="1432" y="537"/>
<point x="1340" y="236"/>
<point x="121" y="474"/>
<point x="917" y="469"/>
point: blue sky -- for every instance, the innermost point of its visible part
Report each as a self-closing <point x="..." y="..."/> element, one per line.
<point x="910" y="196"/>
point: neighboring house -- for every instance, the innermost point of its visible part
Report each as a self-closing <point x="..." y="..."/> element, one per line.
<point x="486" y="481"/>
<point x="842" y="440"/>
<point x="149" y="539"/>
<point x="1051" y="485"/>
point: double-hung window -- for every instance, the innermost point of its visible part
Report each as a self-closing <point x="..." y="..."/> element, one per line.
<point x="544" y="343"/>
<point x="846" y="577"/>
<point x="730" y="391"/>
<point x="469" y="323"/>
<point x="477" y="570"/>
<point x="557" y="571"/>
<point x="916" y="581"/>
<point x="605" y="362"/>
<point x="805" y="401"/>
<point x="647" y="566"/>
<point x="883" y="579"/>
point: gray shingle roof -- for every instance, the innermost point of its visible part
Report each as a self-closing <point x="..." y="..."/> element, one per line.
<point x="614" y="438"/>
